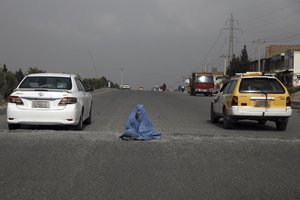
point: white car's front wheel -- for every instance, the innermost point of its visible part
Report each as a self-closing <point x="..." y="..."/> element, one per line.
<point x="13" y="126"/>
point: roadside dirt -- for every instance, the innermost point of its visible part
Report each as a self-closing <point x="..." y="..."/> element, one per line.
<point x="295" y="96"/>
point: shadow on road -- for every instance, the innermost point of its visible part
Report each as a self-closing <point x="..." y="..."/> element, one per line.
<point x="246" y="125"/>
<point x="47" y="127"/>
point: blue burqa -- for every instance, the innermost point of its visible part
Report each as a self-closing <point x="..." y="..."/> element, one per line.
<point x="139" y="126"/>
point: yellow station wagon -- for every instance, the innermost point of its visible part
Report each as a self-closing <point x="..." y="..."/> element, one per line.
<point x="252" y="96"/>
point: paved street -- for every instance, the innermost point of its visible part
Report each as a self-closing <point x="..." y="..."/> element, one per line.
<point x="195" y="159"/>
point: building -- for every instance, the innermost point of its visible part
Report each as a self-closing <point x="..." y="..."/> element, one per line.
<point x="282" y="61"/>
<point x="273" y="50"/>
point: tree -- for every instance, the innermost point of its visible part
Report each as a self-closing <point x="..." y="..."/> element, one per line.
<point x="11" y="83"/>
<point x="233" y="66"/>
<point x="244" y="60"/>
<point x="98" y="83"/>
<point x="34" y="70"/>
<point x="239" y="64"/>
<point x="2" y="82"/>
<point x="8" y="82"/>
<point x="19" y="75"/>
<point x="4" y="68"/>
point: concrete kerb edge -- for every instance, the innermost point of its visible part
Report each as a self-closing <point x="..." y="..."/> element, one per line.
<point x="2" y="110"/>
<point x="296" y="104"/>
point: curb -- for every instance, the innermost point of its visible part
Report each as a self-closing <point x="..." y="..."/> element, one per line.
<point x="2" y="110"/>
<point x="296" y="105"/>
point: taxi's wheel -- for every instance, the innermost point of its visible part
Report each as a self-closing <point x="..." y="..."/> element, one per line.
<point x="226" y="121"/>
<point x="213" y="117"/>
<point x="281" y="125"/>
<point x="262" y="121"/>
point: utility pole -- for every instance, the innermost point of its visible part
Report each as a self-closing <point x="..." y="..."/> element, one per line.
<point x="258" y="42"/>
<point x="122" y="69"/>
<point x="231" y="30"/>
<point x="93" y="62"/>
<point x="225" y="63"/>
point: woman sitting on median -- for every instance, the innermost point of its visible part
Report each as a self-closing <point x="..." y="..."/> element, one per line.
<point x="139" y="126"/>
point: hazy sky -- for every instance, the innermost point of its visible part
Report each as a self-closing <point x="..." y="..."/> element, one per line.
<point x="155" y="41"/>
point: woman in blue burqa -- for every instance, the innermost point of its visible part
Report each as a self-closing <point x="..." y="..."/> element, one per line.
<point x="139" y="126"/>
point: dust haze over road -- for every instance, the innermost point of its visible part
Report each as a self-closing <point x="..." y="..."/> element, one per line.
<point x="195" y="159"/>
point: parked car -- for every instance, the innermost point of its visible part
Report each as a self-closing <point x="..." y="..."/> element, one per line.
<point x="50" y="99"/>
<point x="252" y="96"/>
<point x="125" y="87"/>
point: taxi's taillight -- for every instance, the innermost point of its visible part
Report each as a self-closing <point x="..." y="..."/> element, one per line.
<point x="288" y="102"/>
<point x="234" y="101"/>
<point x="15" y="99"/>
<point x="67" y="100"/>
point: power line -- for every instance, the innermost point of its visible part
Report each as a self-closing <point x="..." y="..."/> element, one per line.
<point x="282" y="36"/>
<point x="270" y="13"/>
<point x="273" y="21"/>
<point x="287" y="37"/>
<point x="258" y="42"/>
<point x="93" y="62"/>
<point x="280" y="27"/>
<point x="211" y="47"/>
<point x="231" y="30"/>
<point x="218" y="53"/>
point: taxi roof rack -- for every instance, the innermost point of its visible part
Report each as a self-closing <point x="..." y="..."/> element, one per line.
<point x="248" y="74"/>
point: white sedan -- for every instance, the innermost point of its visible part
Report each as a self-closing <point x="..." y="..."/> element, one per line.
<point x="50" y="99"/>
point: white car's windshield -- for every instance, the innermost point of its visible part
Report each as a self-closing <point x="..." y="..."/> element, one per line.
<point x="47" y="83"/>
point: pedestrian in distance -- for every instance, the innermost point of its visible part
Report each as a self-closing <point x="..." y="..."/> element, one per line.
<point x="139" y="126"/>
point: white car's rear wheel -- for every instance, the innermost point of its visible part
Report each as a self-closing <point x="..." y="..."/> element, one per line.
<point x="13" y="126"/>
<point x="89" y="119"/>
<point x="79" y="126"/>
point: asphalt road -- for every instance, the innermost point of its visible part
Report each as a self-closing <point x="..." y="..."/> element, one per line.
<point x="194" y="159"/>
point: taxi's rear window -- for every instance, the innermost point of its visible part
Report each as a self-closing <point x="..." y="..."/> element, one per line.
<point x="261" y="85"/>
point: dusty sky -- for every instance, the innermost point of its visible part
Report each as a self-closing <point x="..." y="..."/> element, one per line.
<point x="155" y="41"/>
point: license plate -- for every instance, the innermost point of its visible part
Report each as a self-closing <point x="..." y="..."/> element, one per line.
<point x="40" y="104"/>
<point x="262" y="103"/>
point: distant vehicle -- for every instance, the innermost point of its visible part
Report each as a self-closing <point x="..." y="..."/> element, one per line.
<point x="125" y="87"/>
<point x="252" y="96"/>
<point x="141" y="88"/>
<point x="202" y="83"/>
<point x="50" y="99"/>
<point x="163" y="87"/>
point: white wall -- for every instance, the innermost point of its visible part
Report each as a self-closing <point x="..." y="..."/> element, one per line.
<point x="296" y="68"/>
<point x="296" y="61"/>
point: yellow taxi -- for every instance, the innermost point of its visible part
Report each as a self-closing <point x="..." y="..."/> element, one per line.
<point x="252" y="96"/>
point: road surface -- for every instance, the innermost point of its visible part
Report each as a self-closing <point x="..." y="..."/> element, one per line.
<point x="195" y="159"/>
